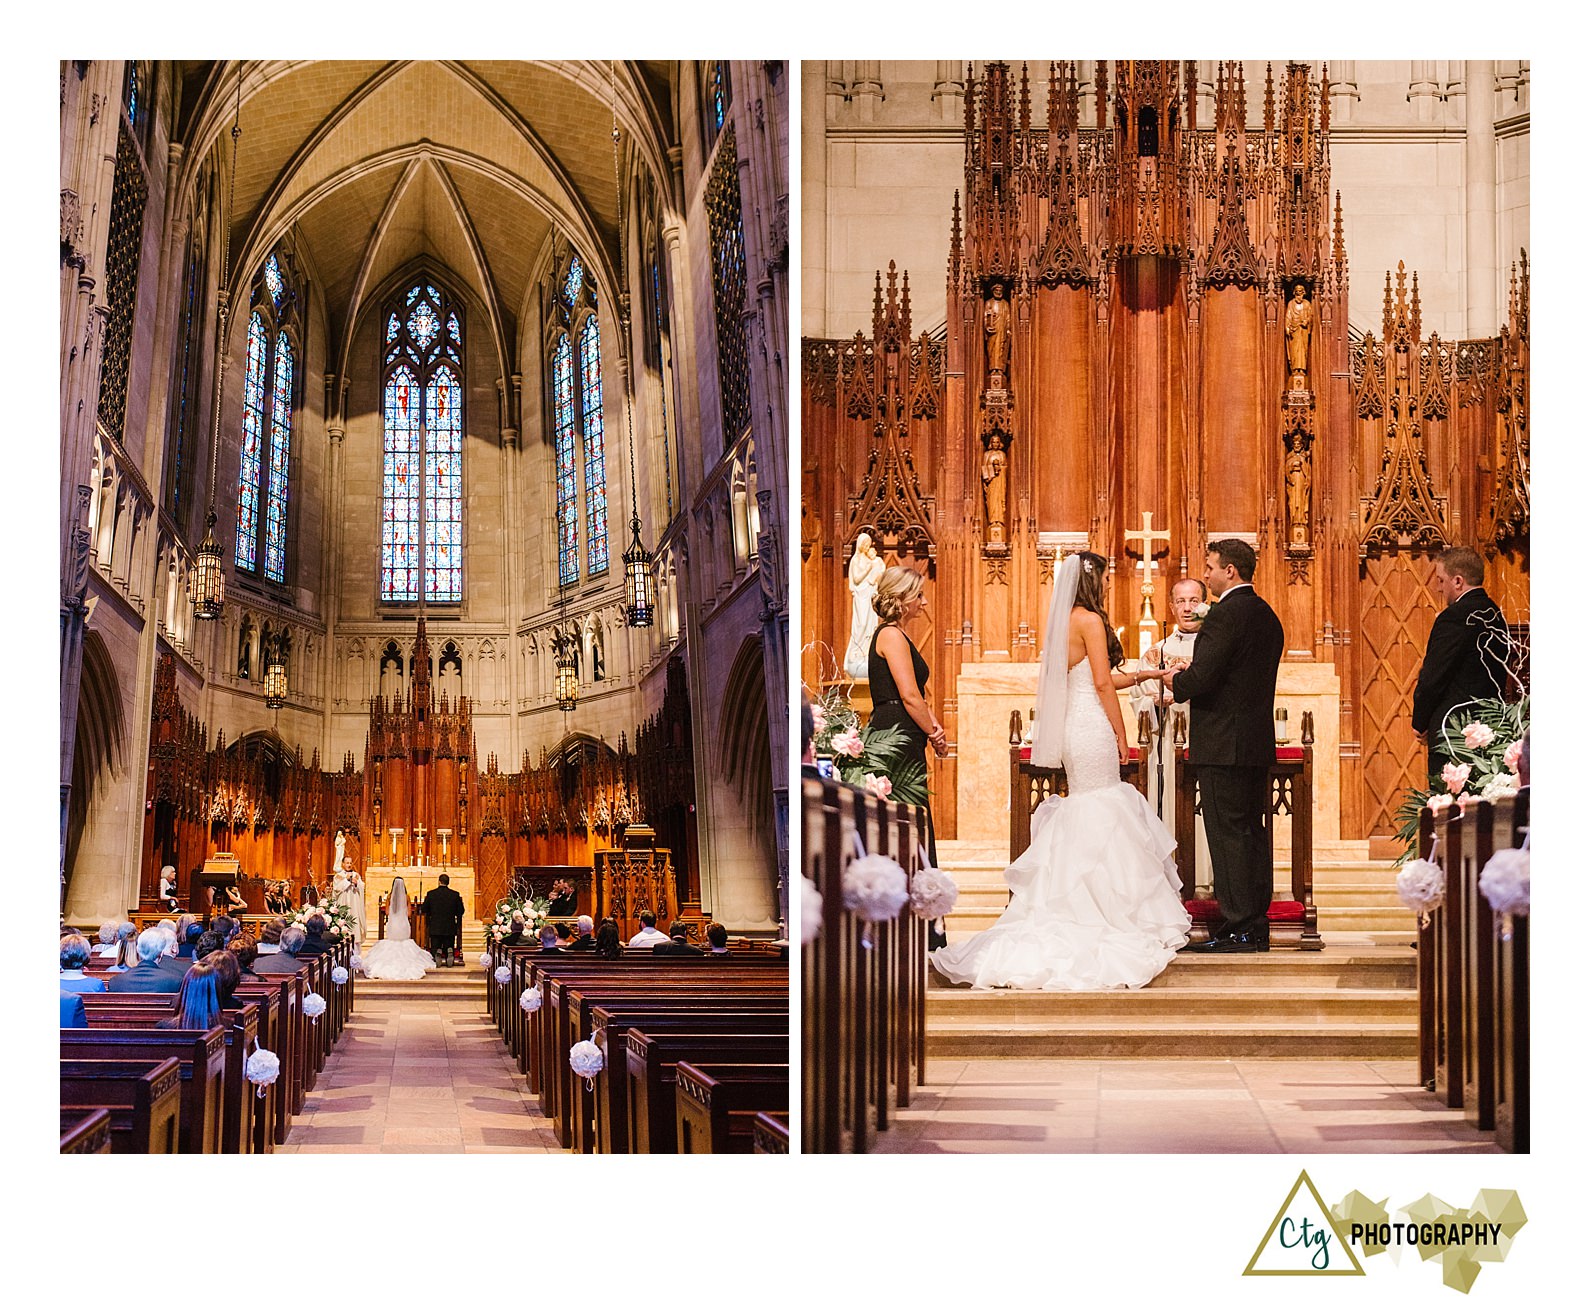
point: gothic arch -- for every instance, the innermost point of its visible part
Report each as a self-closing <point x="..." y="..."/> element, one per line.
<point x="98" y="758"/>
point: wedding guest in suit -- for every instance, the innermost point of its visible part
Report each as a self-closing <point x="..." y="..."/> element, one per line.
<point x="198" y="1007"/>
<point x="584" y="940"/>
<point x="717" y="939"/>
<point x="565" y="902"/>
<point x="150" y="975"/>
<point x="315" y="941"/>
<point x="1231" y="742"/>
<point x="608" y="943"/>
<point x="648" y="936"/>
<point x="74" y="957"/>
<point x="678" y="942"/>
<point x="1466" y="657"/>
<point x="285" y="961"/>
<point x="549" y="939"/>
<point x="73" y="1014"/>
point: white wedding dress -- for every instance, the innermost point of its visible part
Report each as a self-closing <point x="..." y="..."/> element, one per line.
<point x="397" y="957"/>
<point x="1096" y="898"/>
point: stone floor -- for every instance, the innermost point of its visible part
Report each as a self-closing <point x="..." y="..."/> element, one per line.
<point x="417" y="1076"/>
<point x="1176" y="1106"/>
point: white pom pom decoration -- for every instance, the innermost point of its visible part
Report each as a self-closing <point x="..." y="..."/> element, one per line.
<point x="811" y="910"/>
<point x="357" y="963"/>
<point x="1505" y="883"/>
<point x="339" y="974"/>
<point x="314" y="1004"/>
<point x="585" y="1059"/>
<point x="875" y="888"/>
<point x="933" y="894"/>
<point x="485" y="960"/>
<point x="530" y="1001"/>
<point x="503" y="974"/>
<point x="1421" y="885"/>
<point x="261" y="1068"/>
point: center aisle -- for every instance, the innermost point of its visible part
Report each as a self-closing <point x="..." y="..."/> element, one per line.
<point x="421" y="1069"/>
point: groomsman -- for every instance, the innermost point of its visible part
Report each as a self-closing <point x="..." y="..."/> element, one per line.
<point x="1231" y="742"/>
<point x="1466" y="658"/>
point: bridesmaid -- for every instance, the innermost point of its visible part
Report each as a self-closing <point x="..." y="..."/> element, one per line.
<point x="898" y="676"/>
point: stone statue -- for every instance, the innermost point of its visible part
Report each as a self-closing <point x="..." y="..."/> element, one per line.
<point x="341" y="854"/>
<point x="866" y="569"/>
<point x="993" y="476"/>
<point x="1299" y="328"/>
<point x="245" y="637"/>
<point x="1298" y="479"/>
<point x="996" y="333"/>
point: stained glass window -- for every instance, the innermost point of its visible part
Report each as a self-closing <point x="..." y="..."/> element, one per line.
<point x="179" y="486"/>
<point x="595" y="448"/>
<point x="132" y="94"/>
<point x="720" y="93"/>
<point x="422" y="492"/>
<point x="129" y="193"/>
<point x="273" y="280"/>
<point x="728" y="289"/>
<point x="253" y="437"/>
<point x="571" y="286"/>
<point x="563" y="440"/>
<point x="662" y="383"/>
<point x="281" y="442"/>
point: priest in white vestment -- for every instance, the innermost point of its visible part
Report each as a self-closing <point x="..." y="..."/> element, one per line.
<point x="1187" y="602"/>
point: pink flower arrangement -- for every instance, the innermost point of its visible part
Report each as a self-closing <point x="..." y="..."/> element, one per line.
<point x="1455" y="775"/>
<point x="1476" y="734"/>
<point x="878" y="785"/>
<point x="1510" y="757"/>
<point x="819" y="718"/>
<point x="1436" y="802"/>
<point x="847" y="745"/>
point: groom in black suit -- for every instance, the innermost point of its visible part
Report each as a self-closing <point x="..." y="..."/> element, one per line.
<point x="1231" y="686"/>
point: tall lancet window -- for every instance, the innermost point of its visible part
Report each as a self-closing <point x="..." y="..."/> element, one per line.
<point x="422" y="486"/>
<point x="269" y="394"/>
<point x="578" y="440"/>
<point x="728" y="289"/>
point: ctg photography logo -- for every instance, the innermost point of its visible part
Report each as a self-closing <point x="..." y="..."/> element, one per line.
<point x="1308" y="1239"/>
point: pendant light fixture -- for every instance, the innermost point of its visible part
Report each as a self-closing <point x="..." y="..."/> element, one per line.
<point x="640" y="587"/>
<point x="207" y="579"/>
<point x="568" y="672"/>
<point x="276" y="675"/>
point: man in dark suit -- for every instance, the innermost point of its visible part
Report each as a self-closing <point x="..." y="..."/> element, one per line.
<point x="584" y="941"/>
<point x="150" y="976"/>
<point x="678" y="942"/>
<point x="1466" y="658"/>
<point x="549" y="939"/>
<point x="286" y="962"/>
<point x="444" y="915"/>
<point x="315" y="941"/>
<point x="73" y="1014"/>
<point x="1231" y="686"/>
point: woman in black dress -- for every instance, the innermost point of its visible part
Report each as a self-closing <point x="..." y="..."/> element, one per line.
<point x="898" y="675"/>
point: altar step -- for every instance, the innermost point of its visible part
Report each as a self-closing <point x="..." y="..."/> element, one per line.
<point x="449" y="984"/>
<point x="1339" y="1003"/>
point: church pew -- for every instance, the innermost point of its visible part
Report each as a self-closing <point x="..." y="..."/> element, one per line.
<point x="1428" y="946"/>
<point x="770" y="1133"/>
<point x="202" y="1056"/>
<point x="1510" y="999"/>
<point x="85" y="1132"/>
<point x="612" y="1027"/>
<point x="570" y="1100"/>
<point x="716" y="1103"/>
<point x="646" y="1067"/>
<point x="271" y="996"/>
<point x="141" y="1098"/>
<point x="122" y="1011"/>
<point x="1476" y="966"/>
<point x="863" y="1014"/>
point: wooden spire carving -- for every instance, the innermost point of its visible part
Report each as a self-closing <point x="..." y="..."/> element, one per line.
<point x="1507" y="519"/>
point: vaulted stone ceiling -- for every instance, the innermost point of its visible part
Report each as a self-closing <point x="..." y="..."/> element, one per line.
<point x="380" y="164"/>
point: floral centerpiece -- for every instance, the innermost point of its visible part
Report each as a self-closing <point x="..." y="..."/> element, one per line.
<point x="531" y="911"/>
<point x="339" y="921"/>
<point x="871" y="758"/>
<point x="1483" y="739"/>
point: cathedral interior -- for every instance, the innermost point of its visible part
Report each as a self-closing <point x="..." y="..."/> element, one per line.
<point x="423" y="429"/>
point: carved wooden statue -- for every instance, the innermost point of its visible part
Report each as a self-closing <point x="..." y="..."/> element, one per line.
<point x="1299" y="481"/>
<point x="993" y="476"/>
<point x="996" y="332"/>
<point x="1299" y="328"/>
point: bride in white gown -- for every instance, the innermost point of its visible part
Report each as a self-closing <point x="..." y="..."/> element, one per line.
<point x="1096" y="899"/>
<point x="396" y="957"/>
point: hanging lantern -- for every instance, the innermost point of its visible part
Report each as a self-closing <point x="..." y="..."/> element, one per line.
<point x="568" y="675"/>
<point x="640" y="589"/>
<point x="206" y="582"/>
<point x="276" y="678"/>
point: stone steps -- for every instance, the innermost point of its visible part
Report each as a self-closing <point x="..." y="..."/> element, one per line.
<point x="449" y="984"/>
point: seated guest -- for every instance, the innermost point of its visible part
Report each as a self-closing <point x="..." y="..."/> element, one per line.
<point x="516" y="933"/>
<point x="270" y="938"/>
<point x="678" y="942"/>
<point x="648" y="936"/>
<point x="278" y="898"/>
<point x="584" y="941"/>
<point x="126" y="947"/>
<point x="316" y="941"/>
<point x="106" y="948"/>
<point x="197" y="1006"/>
<point x="564" y="902"/>
<point x="565" y="934"/>
<point x="189" y="929"/>
<point x="717" y="938"/>
<point x="74" y="956"/>
<point x="284" y="962"/>
<point x="209" y="942"/>
<point x="223" y="926"/>
<point x="150" y="976"/>
<point x="245" y="950"/>
<point x="73" y="1014"/>
<point x="227" y="975"/>
<point x="549" y="939"/>
<point x="608" y="943"/>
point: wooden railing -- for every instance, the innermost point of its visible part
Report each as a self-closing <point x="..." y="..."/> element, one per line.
<point x="864" y="987"/>
<point x="1473" y="983"/>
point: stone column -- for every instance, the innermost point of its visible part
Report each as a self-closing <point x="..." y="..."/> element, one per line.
<point x="1479" y="198"/>
<point x="814" y="199"/>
